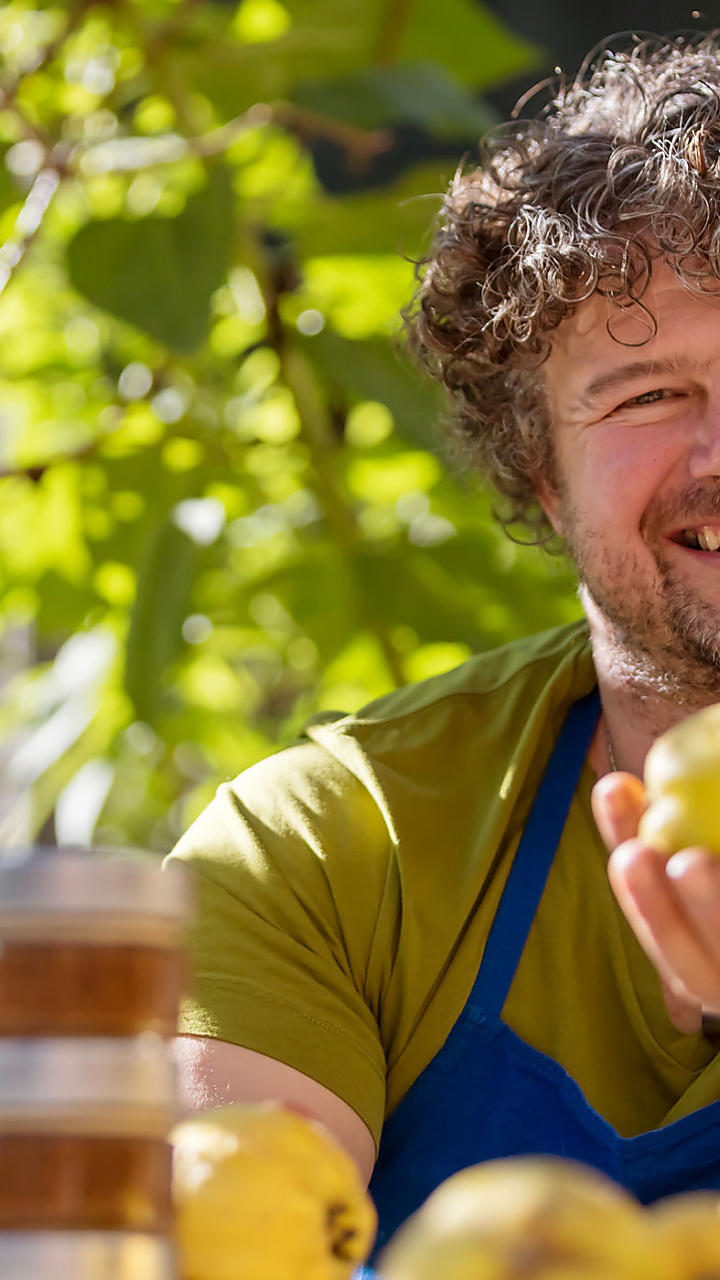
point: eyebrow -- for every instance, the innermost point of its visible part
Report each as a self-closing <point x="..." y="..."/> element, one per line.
<point x="626" y="373"/>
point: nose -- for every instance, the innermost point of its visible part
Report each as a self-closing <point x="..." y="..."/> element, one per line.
<point x="704" y="457"/>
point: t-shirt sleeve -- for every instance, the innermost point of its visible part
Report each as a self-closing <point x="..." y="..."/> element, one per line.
<point x="290" y="864"/>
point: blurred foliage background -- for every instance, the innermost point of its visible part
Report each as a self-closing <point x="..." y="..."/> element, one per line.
<point x="224" y="499"/>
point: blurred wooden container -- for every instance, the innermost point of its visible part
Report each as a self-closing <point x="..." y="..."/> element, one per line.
<point x="84" y="1129"/>
<point x="91" y="943"/>
<point x="68" y="1255"/>
<point x="92" y="969"/>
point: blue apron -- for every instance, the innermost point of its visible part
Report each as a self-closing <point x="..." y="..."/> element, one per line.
<point x="487" y="1093"/>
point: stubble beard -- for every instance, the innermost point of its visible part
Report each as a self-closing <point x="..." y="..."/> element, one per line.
<point x="660" y="638"/>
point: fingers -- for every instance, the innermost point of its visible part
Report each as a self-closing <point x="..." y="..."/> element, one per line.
<point x="684" y="1014"/>
<point x="673" y="906"/>
<point x="618" y="801"/>
<point x="637" y="876"/>
<point x="695" y="877"/>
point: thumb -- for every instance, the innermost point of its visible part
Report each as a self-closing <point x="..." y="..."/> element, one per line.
<point x="618" y="801"/>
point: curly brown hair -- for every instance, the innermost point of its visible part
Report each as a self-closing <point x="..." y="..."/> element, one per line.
<point x="621" y="167"/>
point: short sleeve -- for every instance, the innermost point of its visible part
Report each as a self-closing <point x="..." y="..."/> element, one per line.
<point x="290" y="864"/>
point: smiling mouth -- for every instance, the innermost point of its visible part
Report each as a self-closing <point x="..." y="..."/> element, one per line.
<point x="701" y="538"/>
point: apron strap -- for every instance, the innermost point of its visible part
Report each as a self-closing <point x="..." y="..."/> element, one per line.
<point x="533" y="859"/>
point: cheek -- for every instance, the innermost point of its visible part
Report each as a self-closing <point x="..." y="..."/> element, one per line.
<point x="624" y="479"/>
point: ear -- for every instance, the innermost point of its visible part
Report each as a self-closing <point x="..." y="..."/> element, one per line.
<point x="550" y="501"/>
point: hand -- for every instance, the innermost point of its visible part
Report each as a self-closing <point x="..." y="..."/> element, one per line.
<point x="672" y="904"/>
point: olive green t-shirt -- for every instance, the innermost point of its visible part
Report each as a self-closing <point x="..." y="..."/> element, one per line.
<point x="347" y="885"/>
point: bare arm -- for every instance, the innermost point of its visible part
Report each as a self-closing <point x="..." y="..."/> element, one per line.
<point x="213" y="1073"/>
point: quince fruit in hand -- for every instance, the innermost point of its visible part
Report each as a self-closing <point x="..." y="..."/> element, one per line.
<point x="262" y="1193"/>
<point x="508" y="1219"/>
<point x="687" y="1228"/>
<point x="682" y="781"/>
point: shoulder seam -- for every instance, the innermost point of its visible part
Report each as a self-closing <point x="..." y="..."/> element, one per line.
<point x="269" y="998"/>
<point x="354" y="720"/>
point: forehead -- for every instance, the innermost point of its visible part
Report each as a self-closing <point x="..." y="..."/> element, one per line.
<point x="601" y="335"/>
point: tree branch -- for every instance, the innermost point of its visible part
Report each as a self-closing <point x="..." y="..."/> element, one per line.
<point x="317" y="432"/>
<point x="9" y="89"/>
<point x="27" y="223"/>
<point x="128" y="155"/>
<point x="360" y="144"/>
<point x="391" y="32"/>
<point x="36" y="472"/>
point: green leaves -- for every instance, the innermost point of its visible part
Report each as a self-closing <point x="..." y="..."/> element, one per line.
<point x="465" y="38"/>
<point x="162" y="602"/>
<point x="423" y="94"/>
<point x="218" y="467"/>
<point x="380" y="371"/>
<point x="160" y="273"/>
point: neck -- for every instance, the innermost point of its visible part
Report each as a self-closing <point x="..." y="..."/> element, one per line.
<point x="639" y="703"/>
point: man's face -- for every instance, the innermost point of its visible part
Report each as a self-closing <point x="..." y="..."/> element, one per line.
<point x="636" y="430"/>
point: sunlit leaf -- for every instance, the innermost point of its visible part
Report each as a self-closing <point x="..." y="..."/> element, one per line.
<point x="432" y="659"/>
<point x="159" y="273"/>
<point x="356" y="675"/>
<point x="259" y="21"/>
<point x="397" y="219"/>
<point x="386" y="479"/>
<point x="360" y="296"/>
<point x="467" y="39"/>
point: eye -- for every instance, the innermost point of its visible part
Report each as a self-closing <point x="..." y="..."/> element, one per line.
<point x="647" y="397"/>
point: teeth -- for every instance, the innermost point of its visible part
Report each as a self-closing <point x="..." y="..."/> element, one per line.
<point x="707" y="539"/>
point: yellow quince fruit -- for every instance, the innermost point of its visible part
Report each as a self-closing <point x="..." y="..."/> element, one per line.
<point x="461" y="1255"/>
<point x="682" y="781"/>
<point x="508" y="1219"/>
<point x="262" y="1193"/>
<point x="687" y="1229"/>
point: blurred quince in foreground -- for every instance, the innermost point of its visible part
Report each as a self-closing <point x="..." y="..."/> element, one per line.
<point x="687" y="1229"/>
<point x="682" y="781"/>
<point x="262" y="1193"/>
<point x="522" y="1218"/>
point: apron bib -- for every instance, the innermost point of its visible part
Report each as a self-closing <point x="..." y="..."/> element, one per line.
<point x="487" y="1093"/>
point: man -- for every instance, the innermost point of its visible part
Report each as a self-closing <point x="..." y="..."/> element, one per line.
<point x="405" y="921"/>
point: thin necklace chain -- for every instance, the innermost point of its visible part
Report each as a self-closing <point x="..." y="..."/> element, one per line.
<point x="611" y="753"/>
